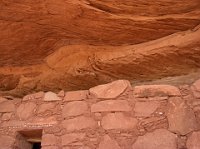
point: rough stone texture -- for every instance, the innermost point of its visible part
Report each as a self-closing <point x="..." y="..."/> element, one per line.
<point x="7" y="106"/>
<point x="78" y="123"/>
<point x="6" y="116"/>
<point x="75" y="95"/>
<point x="72" y="137"/>
<point x="24" y="111"/>
<point x="6" y="142"/>
<point x="108" y="143"/>
<point x="156" y="90"/>
<point x="145" y="109"/>
<point x="50" y="96"/>
<point x="84" y="64"/>
<point x="118" y="121"/>
<point x="181" y="118"/>
<point x="33" y="96"/>
<point x="49" y="140"/>
<point x="74" y="108"/>
<point x="159" y="139"/>
<point x="110" y="90"/>
<point x="111" y="105"/>
<point x="46" y="107"/>
<point x="193" y="141"/>
<point x="196" y="89"/>
<point x="122" y="123"/>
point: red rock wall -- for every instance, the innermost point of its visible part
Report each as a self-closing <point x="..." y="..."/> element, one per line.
<point x="110" y="116"/>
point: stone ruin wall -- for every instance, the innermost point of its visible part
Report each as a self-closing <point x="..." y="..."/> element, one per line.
<point x="110" y="116"/>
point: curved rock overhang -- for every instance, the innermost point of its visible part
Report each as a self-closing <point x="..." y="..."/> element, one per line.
<point x="72" y="45"/>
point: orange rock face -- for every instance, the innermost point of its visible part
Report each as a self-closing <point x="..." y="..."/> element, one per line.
<point x="83" y="43"/>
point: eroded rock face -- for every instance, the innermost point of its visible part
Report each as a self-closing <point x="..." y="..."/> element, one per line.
<point x="83" y="43"/>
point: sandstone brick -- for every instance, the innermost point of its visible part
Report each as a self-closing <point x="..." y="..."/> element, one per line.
<point x="49" y="140"/>
<point x="110" y="90"/>
<point x="75" y="95"/>
<point x="7" y="106"/>
<point x="118" y="121"/>
<point x="196" y="89"/>
<point x="37" y="95"/>
<point x="26" y="110"/>
<point x="79" y="123"/>
<point x="145" y="109"/>
<point x="193" y="141"/>
<point x="72" y="137"/>
<point x="6" y="116"/>
<point x="51" y="120"/>
<point x="108" y="143"/>
<point x="111" y="105"/>
<point x="6" y="142"/>
<point x="74" y="108"/>
<point x="181" y="117"/>
<point x="50" y="96"/>
<point x="46" y="107"/>
<point x="159" y="139"/>
<point x="156" y="90"/>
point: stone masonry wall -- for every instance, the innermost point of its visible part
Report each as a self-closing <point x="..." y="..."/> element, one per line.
<point x="110" y="116"/>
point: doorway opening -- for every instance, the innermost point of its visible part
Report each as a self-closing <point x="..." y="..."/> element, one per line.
<point x="29" y="139"/>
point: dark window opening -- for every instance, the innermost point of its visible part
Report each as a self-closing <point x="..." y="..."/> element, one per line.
<point x="29" y="139"/>
<point x="36" y="145"/>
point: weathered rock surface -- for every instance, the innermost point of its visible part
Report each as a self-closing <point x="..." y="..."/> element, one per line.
<point x="159" y="139"/>
<point x="46" y="107"/>
<point x="24" y="111"/>
<point x="72" y="137"/>
<point x="118" y="121"/>
<point x="196" y="89"/>
<point x="156" y="90"/>
<point x="75" y="95"/>
<point x="110" y="90"/>
<point x="193" y="141"/>
<point x="79" y="123"/>
<point x="7" y="106"/>
<point x="50" y="96"/>
<point x="49" y="140"/>
<point x="111" y="105"/>
<point x="75" y="108"/>
<point x="181" y="117"/>
<point x="6" y="142"/>
<point x="49" y="42"/>
<point x="108" y="143"/>
<point x="145" y="109"/>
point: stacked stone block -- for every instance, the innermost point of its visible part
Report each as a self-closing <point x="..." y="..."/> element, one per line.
<point x="110" y="116"/>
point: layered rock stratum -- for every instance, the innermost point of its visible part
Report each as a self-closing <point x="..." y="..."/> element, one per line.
<point x="73" y="45"/>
